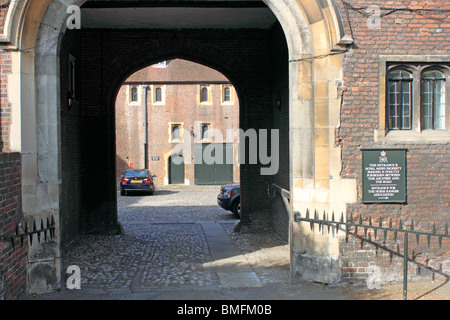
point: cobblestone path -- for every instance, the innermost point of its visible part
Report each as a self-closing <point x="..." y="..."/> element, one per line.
<point x="164" y="244"/>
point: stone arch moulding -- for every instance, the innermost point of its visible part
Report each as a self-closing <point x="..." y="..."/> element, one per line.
<point x="34" y="30"/>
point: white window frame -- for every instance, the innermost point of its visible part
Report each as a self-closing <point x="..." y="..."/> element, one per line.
<point x="130" y="94"/>
<point x="200" y="94"/>
<point x="209" y="138"/>
<point x="181" y="128"/>
<point x="417" y="64"/>
<point x="163" y="94"/>
<point x="223" y="88"/>
<point x="162" y="64"/>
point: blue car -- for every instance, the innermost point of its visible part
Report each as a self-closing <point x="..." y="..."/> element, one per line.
<point x="137" y="181"/>
<point x="229" y="198"/>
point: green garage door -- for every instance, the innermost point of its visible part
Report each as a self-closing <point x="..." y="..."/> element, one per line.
<point x="211" y="165"/>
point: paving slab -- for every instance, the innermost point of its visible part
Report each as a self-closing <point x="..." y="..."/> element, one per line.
<point x="231" y="266"/>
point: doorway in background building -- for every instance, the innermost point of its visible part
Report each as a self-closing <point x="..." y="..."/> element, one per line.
<point x="176" y="170"/>
<point x="213" y="163"/>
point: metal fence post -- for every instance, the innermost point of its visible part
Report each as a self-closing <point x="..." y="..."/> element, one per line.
<point x="405" y="267"/>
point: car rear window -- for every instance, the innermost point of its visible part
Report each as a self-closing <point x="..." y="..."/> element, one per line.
<point x="135" y="174"/>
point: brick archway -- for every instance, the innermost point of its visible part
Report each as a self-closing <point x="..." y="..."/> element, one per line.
<point x="121" y="53"/>
<point x="311" y="104"/>
<point x="183" y="48"/>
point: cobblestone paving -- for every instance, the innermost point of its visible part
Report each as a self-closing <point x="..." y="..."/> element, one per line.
<point x="164" y="245"/>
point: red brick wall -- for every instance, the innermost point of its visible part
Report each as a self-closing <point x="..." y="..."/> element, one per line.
<point x="180" y="105"/>
<point x="12" y="261"/>
<point x="5" y="108"/>
<point x="428" y="165"/>
<point x="3" y="13"/>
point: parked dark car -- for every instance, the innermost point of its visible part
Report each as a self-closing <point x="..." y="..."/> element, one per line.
<point x="229" y="198"/>
<point x="137" y="181"/>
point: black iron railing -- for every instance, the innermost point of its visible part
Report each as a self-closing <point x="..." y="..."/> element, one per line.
<point x="42" y="232"/>
<point x="335" y="225"/>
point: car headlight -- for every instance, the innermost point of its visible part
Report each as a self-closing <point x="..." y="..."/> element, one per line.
<point x="226" y="194"/>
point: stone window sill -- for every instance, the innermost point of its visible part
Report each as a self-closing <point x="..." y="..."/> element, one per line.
<point x="413" y="136"/>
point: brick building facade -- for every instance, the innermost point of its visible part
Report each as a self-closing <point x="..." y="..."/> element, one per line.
<point x="184" y="99"/>
<point x="334" y="77"/>
<point x="415" y="42"/>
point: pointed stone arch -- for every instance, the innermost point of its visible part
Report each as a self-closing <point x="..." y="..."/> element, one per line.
<point x="312" y="28"/>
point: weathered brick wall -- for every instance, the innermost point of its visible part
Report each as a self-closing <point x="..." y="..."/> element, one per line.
<point x="12" y="261"/>
<point x="5" y="107"/>
<point x="280" y="121"/>
<point x="428" y="166"/>
<point x="181" y="105"/>
<point x="71" y="190"/>
<point x="243" y="56"/>
<point x="3" y="12"/>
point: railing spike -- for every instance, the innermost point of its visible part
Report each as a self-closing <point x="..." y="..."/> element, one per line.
<point x="347" y="230"/>
<point x="327" y="221"/>
<point x="446" y="229"/>
<point x="42" y="228"/>
<point x="440" y="242"/>
<point x="380" y="224"/>
<point x="49" y="231"/>
<point x="52" y="223"/>
<point x="34" y="230"/>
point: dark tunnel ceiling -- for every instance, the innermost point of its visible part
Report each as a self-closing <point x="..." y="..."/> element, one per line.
<point x="116" y="14"/>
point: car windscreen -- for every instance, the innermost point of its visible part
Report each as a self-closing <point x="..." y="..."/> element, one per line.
<point x="142" y="174"/>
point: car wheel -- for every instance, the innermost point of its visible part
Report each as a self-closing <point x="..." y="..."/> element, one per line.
<point x="122" y="192"/>
<point x="237" y="209"/>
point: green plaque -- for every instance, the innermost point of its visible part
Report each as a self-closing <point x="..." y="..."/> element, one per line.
<point x="384" y="175"/>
